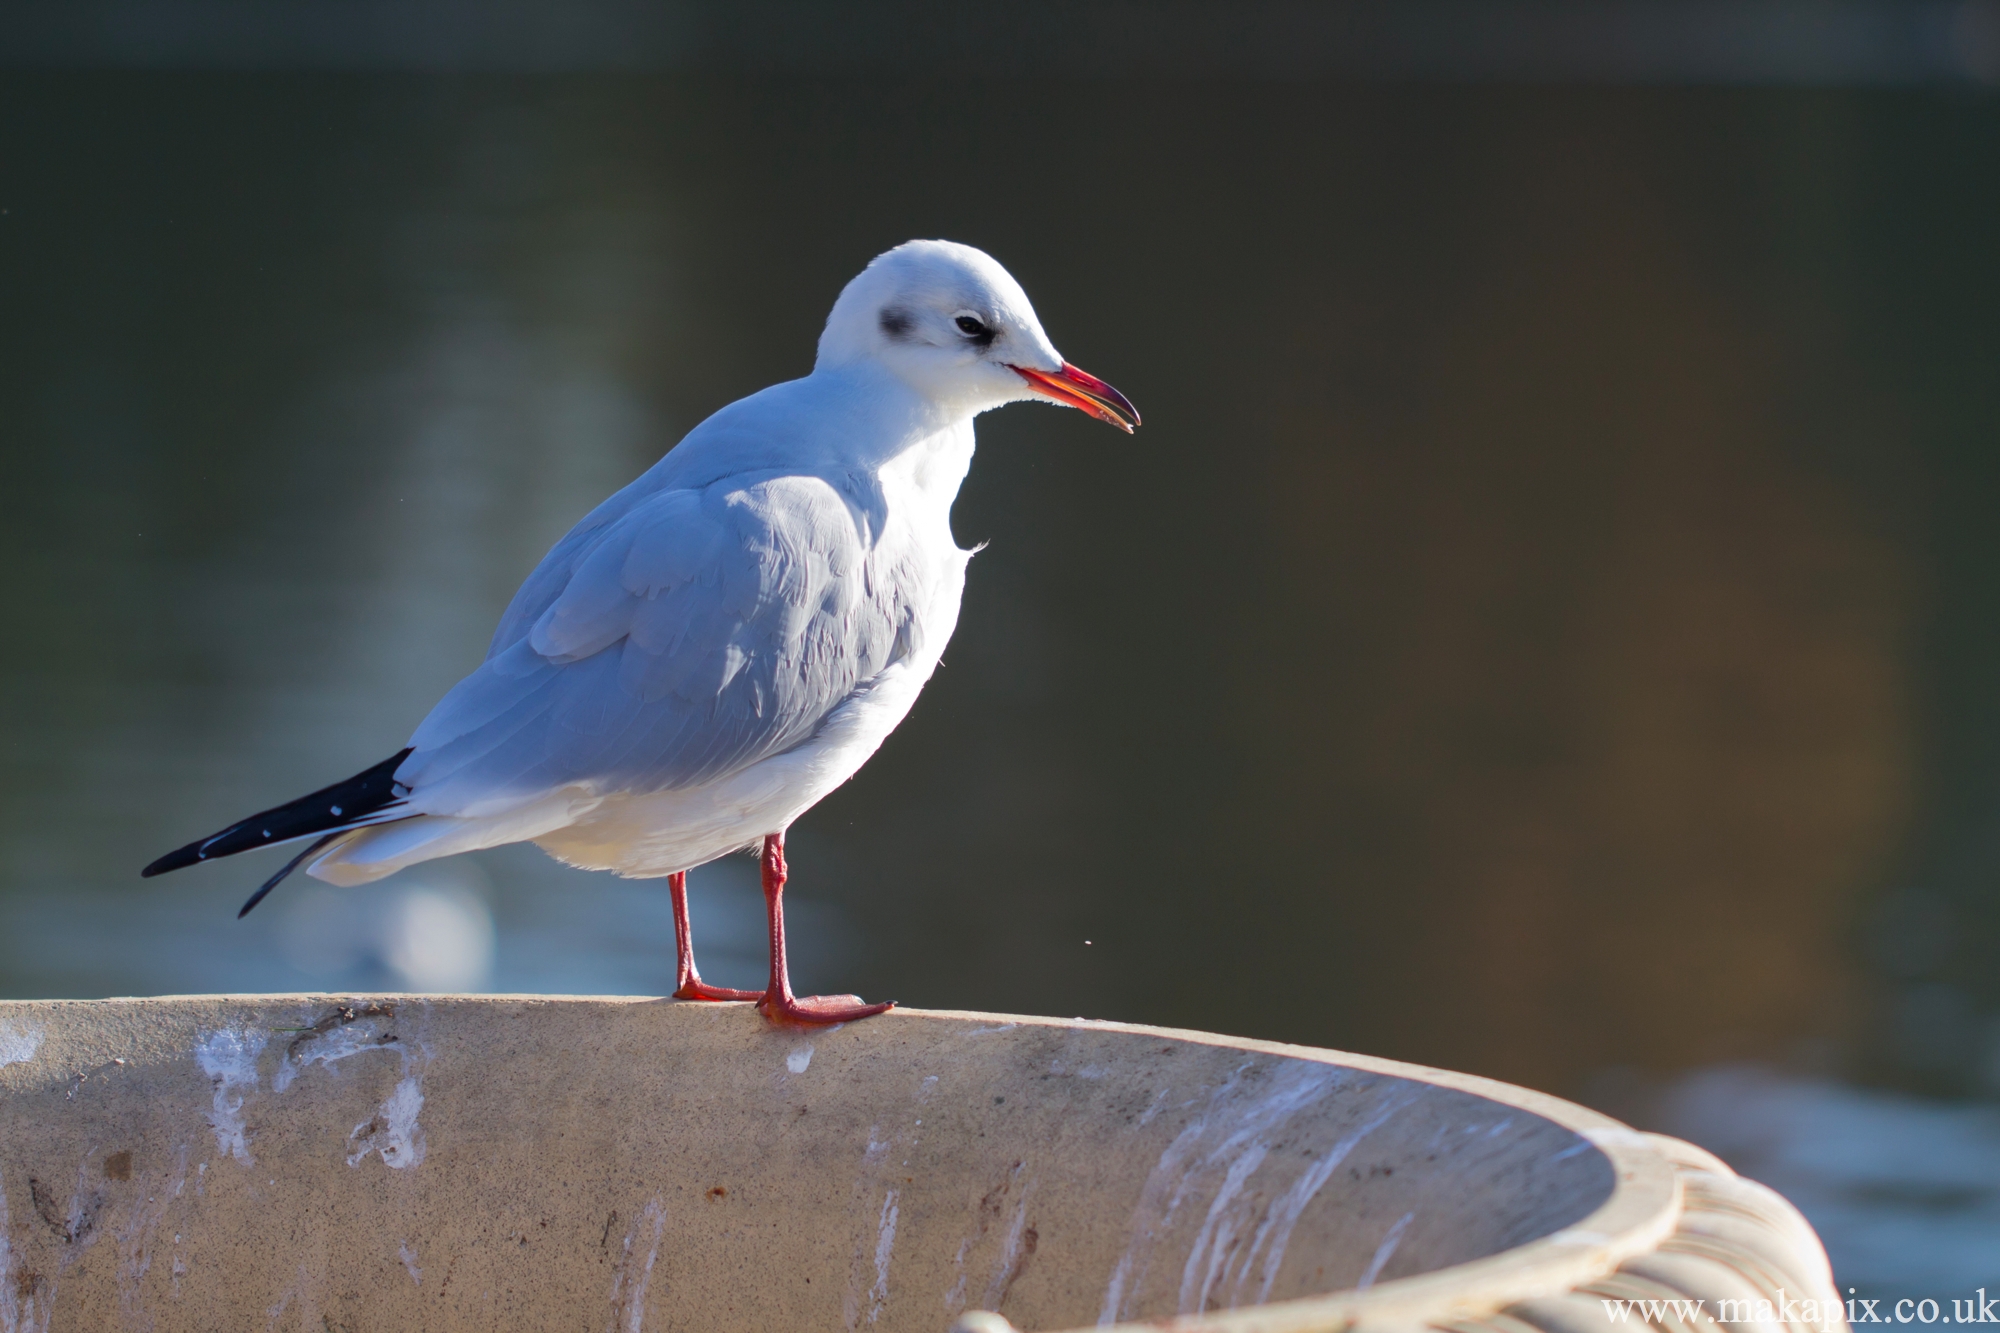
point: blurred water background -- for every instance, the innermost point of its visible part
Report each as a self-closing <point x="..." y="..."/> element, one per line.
<point x="1549" y="624"/>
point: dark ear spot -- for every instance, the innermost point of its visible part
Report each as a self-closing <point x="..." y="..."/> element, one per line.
<point x="896" y="323"/>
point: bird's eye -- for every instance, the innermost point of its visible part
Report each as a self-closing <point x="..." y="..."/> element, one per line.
<point x="972" y="328"/>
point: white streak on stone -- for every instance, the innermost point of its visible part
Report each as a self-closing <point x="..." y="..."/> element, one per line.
<point x="1166" y="1172"/>
<point x="628" y="1288"/>
<point x="229" y="1058"/>
<point x="1220" y="1150"/>
<point x="20" y="1310"/>
<point x="409" y="1258"/>
<point x="1293" y="1087"/>
<point x="302" y="1291"/>
<point x="135" y="1237"/>
<point x="18" y="1044"/>
<point x="1217" y="1237"/>
<point x="394" y="1130"/>
<point x="885" y="1244"/>
<point x="801" y="1056"/>
<point x="1384" y="1251"/>
<point x="1276" y="1232"/>
<point x="1008" y="1268"/>
<point x="85" y="1205"/>
<point x="954" y="1300"/>
<point x="351" y="1039"/>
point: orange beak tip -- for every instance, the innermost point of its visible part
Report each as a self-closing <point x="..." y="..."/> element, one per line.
<point x="1074" y="387"/>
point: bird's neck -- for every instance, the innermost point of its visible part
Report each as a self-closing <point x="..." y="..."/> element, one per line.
<point x="900" y="434"/>
<point x="886" y="410"/>
<point x="845" y="424"/>
<point x="919" y="449"/>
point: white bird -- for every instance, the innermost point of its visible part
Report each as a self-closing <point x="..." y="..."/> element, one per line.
<point x="727" y="639"/>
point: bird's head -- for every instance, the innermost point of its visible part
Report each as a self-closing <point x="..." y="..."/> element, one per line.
<point x="955" y="326"/>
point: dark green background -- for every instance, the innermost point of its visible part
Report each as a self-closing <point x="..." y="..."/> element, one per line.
<point x="1547" y="625"/>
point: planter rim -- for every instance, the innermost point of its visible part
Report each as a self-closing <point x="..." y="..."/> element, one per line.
<point x="1643" y="1209"/>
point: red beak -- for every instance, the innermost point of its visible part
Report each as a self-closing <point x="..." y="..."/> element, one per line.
<point x="1081" y="389"/>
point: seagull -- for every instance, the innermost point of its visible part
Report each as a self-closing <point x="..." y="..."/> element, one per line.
<point x="727" y="639"/>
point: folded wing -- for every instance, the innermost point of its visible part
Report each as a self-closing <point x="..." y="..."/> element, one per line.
<point x="695" y="634"/>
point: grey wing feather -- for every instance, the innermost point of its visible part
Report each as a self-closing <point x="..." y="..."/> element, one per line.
<point x="541" y="588"/>
<point x="693" y="635"/>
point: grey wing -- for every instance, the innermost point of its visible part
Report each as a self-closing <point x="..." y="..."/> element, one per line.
<point x="540" y="589"/>
<point x="700" y="632"/>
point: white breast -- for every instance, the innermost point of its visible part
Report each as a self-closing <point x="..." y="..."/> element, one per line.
<point x="663" y="832"/>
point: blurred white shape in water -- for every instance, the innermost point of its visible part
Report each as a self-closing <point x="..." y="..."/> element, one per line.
<point x="429" y="929"/>
<point x="1904" y="1191"/>
<point x="439" y="939"/>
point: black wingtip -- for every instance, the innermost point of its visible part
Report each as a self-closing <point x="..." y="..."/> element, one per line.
<point x="343" y="805"/>
<point x="178" y="859"/>
<point x="289" y="866"/>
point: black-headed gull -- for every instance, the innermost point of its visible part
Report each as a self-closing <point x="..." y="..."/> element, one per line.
<point x="726" y="640"/>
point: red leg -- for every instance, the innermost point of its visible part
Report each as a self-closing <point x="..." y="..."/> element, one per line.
<point x="779" y="1004"/>
<point x="688" y="982"/>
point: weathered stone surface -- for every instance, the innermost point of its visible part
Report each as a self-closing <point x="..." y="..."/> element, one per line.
<point x="398" y="1162"/>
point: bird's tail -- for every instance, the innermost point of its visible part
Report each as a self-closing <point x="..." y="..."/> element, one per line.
<point x="370" y="797"/>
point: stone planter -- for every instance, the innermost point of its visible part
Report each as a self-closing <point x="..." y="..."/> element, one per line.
<point x="526" y="1163"/>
